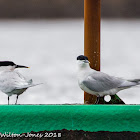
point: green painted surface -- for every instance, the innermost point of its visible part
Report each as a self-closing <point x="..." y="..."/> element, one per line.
<point x="27" y="118"/>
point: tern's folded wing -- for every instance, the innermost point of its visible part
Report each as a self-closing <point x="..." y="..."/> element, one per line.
<point x="101" y="82"/>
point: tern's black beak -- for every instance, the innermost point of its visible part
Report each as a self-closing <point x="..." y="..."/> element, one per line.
<point x="86" y="61"/>
<point x="20" y="66"/>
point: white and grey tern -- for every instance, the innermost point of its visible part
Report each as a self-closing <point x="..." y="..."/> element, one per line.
<point x="98" y="83"/>
<point x="11" y="81"/>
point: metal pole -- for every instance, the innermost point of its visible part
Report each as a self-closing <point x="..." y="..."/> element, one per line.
<point x="92" y="15"/>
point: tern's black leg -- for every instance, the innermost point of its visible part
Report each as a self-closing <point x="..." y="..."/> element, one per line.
<point x="97" y="100"/>
<point x="8" y="100"/>
<point x="16" y="100"/>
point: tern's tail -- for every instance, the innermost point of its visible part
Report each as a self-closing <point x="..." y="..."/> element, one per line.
<point x="30" y="81"/>
<point x="137" y="81"/>
<point x="130" y="83"/>
<point x="30" y="84"/>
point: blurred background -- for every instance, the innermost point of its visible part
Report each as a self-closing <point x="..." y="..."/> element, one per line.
<point x="48" y="35"/>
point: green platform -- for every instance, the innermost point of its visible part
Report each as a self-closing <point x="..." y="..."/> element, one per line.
<point x="26" y="118"/>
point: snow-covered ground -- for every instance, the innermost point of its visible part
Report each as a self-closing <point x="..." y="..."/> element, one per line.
<point x="50" y="48"/>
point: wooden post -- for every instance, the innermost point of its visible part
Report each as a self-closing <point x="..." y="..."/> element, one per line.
<point x="92" y="12"/>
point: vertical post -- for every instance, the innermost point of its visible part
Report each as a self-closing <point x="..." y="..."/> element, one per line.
<point x="92" y="15"/>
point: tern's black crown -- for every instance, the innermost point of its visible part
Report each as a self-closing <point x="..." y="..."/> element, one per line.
<point x="7" y="63"/>
<point x="82" y="57"/>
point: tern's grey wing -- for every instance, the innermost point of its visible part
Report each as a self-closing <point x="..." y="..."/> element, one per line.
<point x="100" y="82"/>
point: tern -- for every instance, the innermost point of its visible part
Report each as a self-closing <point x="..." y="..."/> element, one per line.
<point x="11" y="81"/>
<point x="98" y="83"/>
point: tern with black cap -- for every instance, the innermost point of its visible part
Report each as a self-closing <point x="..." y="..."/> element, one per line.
<point x="11" y="81"/>
<point x="98" y="83"/>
